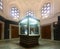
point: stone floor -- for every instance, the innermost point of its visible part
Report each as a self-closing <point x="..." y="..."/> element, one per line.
<point x="43" y="44"/>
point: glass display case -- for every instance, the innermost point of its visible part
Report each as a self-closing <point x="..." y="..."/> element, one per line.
<point x="29" y="26"/>
<point x="29" y="31"/>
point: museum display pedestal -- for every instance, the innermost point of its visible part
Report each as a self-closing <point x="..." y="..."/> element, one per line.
<point x="29" y="41"/>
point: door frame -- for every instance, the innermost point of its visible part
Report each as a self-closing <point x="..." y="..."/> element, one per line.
<point x="52" y="33"/>
<point x="10" y="31"/>
<point x="2" y="36"/>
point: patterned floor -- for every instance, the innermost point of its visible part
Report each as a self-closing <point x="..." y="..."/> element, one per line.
<point x="43" y="44"/>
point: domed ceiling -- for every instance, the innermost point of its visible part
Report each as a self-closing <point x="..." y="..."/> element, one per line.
<point x="25" y="5"/>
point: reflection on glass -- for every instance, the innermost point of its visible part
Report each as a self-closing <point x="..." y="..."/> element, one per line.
<point x="26" y="32"/>
<point x="34" y="29"/>
<point x="24" y="21"/>
<point x="31" y="30"/>
<point x="23" y="29"/>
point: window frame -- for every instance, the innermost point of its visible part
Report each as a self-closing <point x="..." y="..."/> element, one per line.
<point x="15" y="12"/>
<point x="46" y="10"/>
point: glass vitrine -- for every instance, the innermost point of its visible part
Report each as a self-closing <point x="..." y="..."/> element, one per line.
<point x="29" y="26"/>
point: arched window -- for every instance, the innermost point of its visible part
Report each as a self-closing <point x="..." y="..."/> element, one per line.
<point x="29" y="13"/>
<point x="15" y="12"/>
<point x="46" y="10"/>
<point x="1" y="5"/>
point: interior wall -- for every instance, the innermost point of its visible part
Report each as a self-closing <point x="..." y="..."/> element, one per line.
<point x="55" y="10"/>
<point x="56" y="29"/>
<point x="6" y="26"/>
<point x="25" y="5"/>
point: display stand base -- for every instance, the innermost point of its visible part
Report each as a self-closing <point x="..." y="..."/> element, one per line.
<point x="29" y="41"/>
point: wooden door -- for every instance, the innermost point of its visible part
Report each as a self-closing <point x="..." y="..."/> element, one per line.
<point x="14" y="31"/>
<point x="0" y="30"/>
<point x="46" y="32"/>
